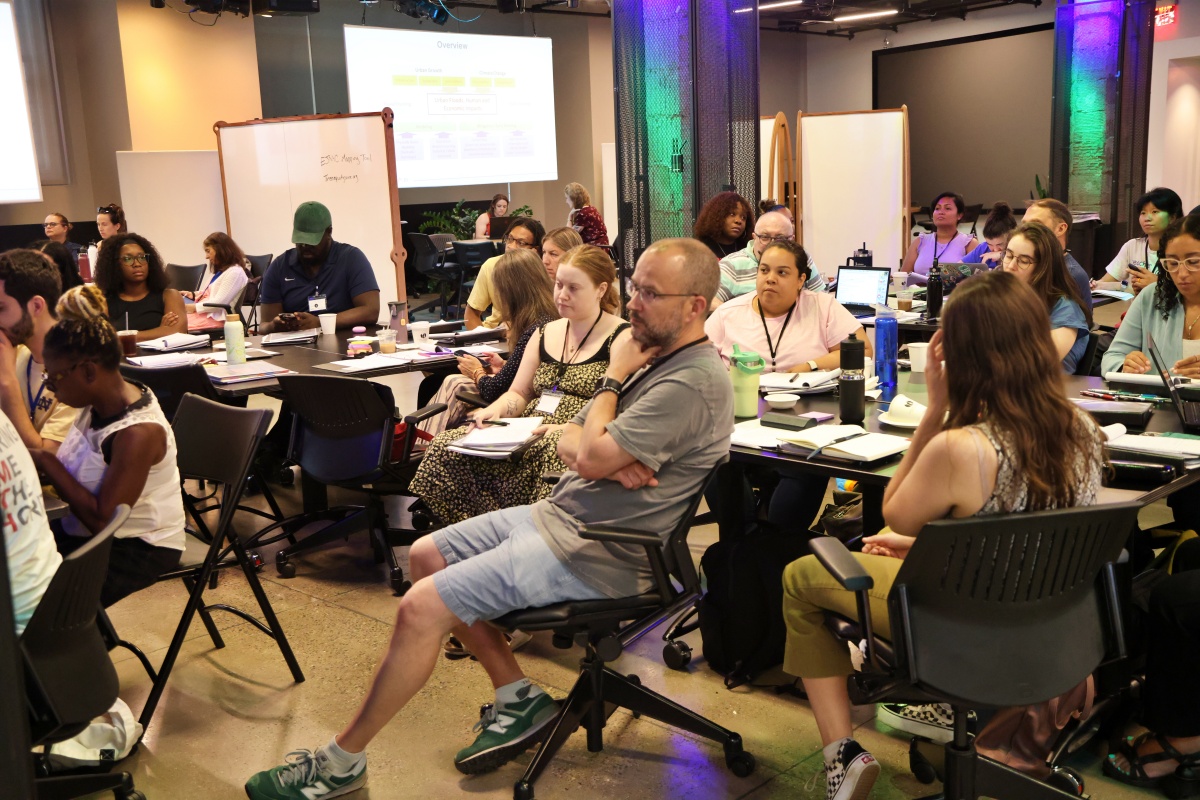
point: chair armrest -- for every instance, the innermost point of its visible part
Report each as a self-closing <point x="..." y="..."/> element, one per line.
<point x="841" y="564"/>
<point x="611" y="533"/>
<point x="474" y="399"/>
<point x="422" y="414"/>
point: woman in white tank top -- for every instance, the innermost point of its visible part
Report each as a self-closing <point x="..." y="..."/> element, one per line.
<point x="120" y="450"/>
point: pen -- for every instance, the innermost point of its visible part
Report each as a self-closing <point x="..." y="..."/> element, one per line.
<point x="835" y="441"/>
<point x="793" y="378"/>
<point x="497" y="422"/>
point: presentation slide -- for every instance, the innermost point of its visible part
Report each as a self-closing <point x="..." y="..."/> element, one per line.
<point x="469" y="109"/>
<point x="19" y="179"/>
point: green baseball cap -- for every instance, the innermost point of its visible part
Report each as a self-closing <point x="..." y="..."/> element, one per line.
<point x="310" y="223"/>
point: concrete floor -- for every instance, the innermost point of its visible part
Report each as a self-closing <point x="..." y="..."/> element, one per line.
<point x="228" y="713"/>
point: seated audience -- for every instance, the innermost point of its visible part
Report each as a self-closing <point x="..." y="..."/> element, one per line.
<point x="520" y="284"/>
<point x="28" y="296"/>
<point x="739" y="271"/>
<point x="794" y="330"/>
<point x="526" y="233"/>
<point x="636" y="456"/>
<point x="583" y="216"/>
<point x="999" y="436"/>
<point x="556" y="377"/>
<point x="64" y="262"/>
<point x="317" y="276"/>
<point x="555" y="245"/>
<point x="1055" y="215"/>
<point x="110" y="221"/>
<point x="58" y="229"/>
<point x="1136" y="264"/>
<point x="1033" y="255"/>
<point x="946" y="244"/>
<point x="225" y="279"/>
<point x="483" y="223"/>
<point x="998" y="226"/>
<point x="130" y="272"/>
<point x="724" y="223"/>
<point x="119" y="451"/>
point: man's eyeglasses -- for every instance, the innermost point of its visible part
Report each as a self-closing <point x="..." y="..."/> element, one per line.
<point x="767" y="239"/>
<point x="141" y="258"/>
<point x="1024" y="261"/>
<point x="649" y="295"/>
<point x="1173" y="265"/>
<point x="512" y="241"/>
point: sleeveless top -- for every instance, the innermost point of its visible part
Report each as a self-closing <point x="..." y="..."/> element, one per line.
<point x="952" y="252"/>
<point x="145" y="314"/>
<point x="1011" y="492"/>
<point x="576" y="382"/>
<point x="157" y="516"/>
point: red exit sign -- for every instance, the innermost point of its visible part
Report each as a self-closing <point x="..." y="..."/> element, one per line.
<point x="1164" y="16"/>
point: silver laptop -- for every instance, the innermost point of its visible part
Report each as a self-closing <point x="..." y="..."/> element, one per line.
<point x="860" y="289"/>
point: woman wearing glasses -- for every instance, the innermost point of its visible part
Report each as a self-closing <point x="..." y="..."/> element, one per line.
<point x="130" y="272"/>
<point x="57" y="228"/>
<point x="1034" y="256"/>
<point x="556" y="377"/>
<point x="120" y="450"/>
<point x="526" y="233"/>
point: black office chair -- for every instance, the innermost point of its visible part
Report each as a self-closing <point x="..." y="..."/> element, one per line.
<point x="346" y="434"/>
<point x="1084" y="367"/>
<point x="972" y="215"/>
<point x="69" y="678"/>
<point x="1038" y="588"/>
<point x="258" y="268"/>
<point x="225" y="461"/>
<point x="604" y="628"/>
<point x="185" y="279"/>
<point x="469" y="256"/>
<point x="430" y="261"/>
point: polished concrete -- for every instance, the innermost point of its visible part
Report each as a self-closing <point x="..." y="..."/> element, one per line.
<point x="228" y="713"/>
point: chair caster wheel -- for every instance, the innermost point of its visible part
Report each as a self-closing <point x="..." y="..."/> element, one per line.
<point x="399" y="584"/>
<point x="920" y="767"/>
<point x="523" y="790"/>
<point x="741" y="764"/>
<point x="421" y="521"/>
<point x="285" y="568"/>
<point x="285" y="476"/>
<point x="1066" y="779"/>
<point x="677" y="654"/>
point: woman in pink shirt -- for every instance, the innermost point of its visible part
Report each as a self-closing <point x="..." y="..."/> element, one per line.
<point x="222" y="287"/>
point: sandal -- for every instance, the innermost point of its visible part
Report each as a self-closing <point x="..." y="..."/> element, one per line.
<point x="1183" y="782"/>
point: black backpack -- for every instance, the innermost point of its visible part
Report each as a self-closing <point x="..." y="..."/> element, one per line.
<point x="741" y="613"/>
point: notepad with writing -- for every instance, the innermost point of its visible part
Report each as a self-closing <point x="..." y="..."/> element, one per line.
<point x="240" y="373"/>
<point x="843" y="442"/>
<point x="176" y="341"/>
<point x="783" y="381"/>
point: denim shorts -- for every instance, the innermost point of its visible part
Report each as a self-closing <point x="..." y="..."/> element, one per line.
<point x="497" y="563"/>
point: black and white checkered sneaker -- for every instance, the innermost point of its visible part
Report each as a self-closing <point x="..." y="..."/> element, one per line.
<point x="851" y="775"/>
<point x="933" y="721"/>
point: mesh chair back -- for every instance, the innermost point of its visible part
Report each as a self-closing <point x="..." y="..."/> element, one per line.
<point x="678" y="555"/>
<point x="1007" y="610"/>
<point x="185" y="279"/>
<point x="344" y="426"/>
<point x="471" y="255"/>
<point x="426" y="258"/>
<point x="205" y="430"/>
<point x="259" y="264"/>
<point x="170" y="384"/>
<point x="440" y="240"/>
<point x="70" y="678"/>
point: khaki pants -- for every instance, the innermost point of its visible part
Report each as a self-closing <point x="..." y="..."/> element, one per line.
<point x="808" y="591"/>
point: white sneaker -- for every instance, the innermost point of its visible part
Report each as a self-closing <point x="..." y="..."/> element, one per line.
<point x="852" y="774"/>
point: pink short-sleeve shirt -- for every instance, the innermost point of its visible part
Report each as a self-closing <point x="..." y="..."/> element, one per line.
<point x="818" y="324"/>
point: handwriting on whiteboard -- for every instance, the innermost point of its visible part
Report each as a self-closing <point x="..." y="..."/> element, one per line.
<point x="346" y="158"/>
<point x="340" y="178"/>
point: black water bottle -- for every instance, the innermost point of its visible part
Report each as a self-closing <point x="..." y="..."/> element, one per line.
<point x="933" y="293"/>
<point x="852" y="383"/>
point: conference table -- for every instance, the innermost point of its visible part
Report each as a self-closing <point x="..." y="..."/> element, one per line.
<point x="873" y="478"/>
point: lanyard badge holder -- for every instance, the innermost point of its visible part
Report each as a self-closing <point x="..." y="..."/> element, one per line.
<point x="316" y="303"/>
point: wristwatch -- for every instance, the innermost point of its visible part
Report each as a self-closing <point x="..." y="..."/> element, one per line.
<point x="607" y="384"/>
<point x="812" y="367"/>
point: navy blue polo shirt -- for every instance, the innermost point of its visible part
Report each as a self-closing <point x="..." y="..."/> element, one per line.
<point x="345" y="274"/>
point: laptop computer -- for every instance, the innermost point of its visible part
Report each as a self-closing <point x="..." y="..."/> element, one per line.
<point x="860" y="289"/>
<point x="1188" y="410"/>
<point x="498" y="226"/>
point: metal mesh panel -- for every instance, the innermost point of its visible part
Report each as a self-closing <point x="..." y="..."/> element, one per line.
<point x="1134" y="121"/>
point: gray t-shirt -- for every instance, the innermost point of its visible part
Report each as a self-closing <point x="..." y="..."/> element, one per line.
<point x="677" y="421"/>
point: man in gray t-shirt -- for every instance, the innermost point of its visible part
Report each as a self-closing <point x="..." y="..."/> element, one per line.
<point x="659" y="421"/>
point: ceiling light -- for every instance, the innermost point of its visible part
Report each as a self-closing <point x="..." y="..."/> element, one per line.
<point x="769" y="6"/>
<point x="866" y="15"/>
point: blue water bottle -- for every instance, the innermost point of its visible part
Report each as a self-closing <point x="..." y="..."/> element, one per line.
<point x="886" y="345"/>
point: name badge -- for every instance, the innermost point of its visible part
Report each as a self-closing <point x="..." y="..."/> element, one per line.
<point x="316" y="303"/>
<point x="548" y="402"/>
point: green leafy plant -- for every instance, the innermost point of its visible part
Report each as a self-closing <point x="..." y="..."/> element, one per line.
<point x="459" y="221"/>
<point x="522" y="211"/>
<point x="1038" y="193"/>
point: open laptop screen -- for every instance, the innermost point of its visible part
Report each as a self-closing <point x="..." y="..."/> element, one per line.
<point x="863" y="286"/>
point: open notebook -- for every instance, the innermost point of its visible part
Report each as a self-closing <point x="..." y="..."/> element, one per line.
<point x="498" y="441"/>
<point x="842" y="442"/>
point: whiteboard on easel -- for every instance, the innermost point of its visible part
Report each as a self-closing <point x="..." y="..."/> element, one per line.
<point x="853" y="186"/>
<point x="345" y="161"/>
<point x="150" y="182"/>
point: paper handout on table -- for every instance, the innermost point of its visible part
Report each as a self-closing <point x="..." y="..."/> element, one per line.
<point x="291" y="337"/>
<point x="165" y="360"/>
<point x="1114" y="293"/>
<point x="1159" y="445"/>
<point x="220" y="356"/>
<point x="752" y="433"/>
<point x="176" y="341"/>
<point x="240" y="373"/>
<point x="845" y="442"/>
<point x="373" y="361"/>
<point x="498" y="441"/>
<point x="783" y="381"/>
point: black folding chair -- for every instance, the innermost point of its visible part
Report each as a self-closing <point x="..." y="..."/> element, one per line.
<point x="258" y="268"/>
<point x="69" y="678"/>
<point x="185" y="279"/>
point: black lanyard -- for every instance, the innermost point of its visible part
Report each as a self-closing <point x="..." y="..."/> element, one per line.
<point x="774" y="348"/>
<point x="938" y="256"/>
<point x="33" y="401"/>
<point x="658" y="363"/>
<point x="562" y="359"/>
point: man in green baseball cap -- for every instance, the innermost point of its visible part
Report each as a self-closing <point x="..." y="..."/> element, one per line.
<point x="318" y="276"/>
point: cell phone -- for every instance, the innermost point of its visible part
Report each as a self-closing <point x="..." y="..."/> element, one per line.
<point x="465" y="354"/>
<point x="287" y="316"/>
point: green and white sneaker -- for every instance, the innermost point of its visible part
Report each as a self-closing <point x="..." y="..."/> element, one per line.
<point x="505" y="733"/>
<point x="305" y="776"/>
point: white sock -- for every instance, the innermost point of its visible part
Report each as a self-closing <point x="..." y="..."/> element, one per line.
<point x="830" y="751"/>
<point x="516" y="691"/>
<point x="340" y="761"/>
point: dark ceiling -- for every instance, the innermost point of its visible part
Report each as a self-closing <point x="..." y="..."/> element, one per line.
<point x="821" y="17"/>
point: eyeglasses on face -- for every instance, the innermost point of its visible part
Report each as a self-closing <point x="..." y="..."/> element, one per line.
<point x="1024" y="261"/>
<point x="512" y="241"/>
<point x="52" y="379"/>
<point x="768" y="239"/>
<point x="51" y="224"/>
<point x="1174" y="265"/>
<point x="649" y="295"/>
<point x="141" y="258"/>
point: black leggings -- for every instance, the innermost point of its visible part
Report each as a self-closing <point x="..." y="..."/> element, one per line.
<point x="132" y="565"/>
<point x="1172" y="695"/>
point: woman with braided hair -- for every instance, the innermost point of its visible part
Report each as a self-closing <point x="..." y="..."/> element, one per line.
<point x="120" y="450"/>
